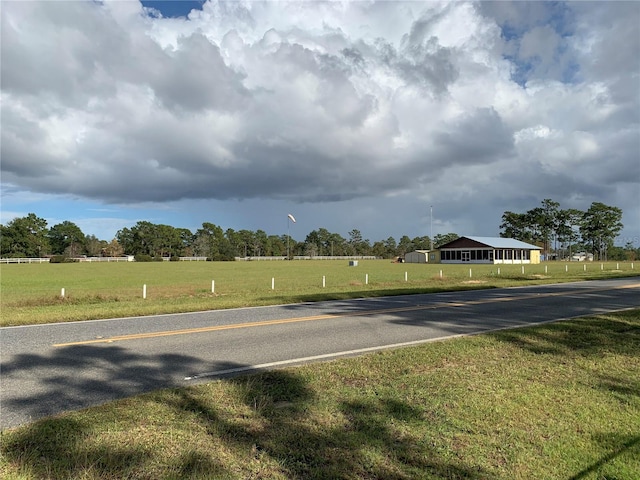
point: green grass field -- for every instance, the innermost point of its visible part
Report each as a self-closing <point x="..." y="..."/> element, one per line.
<point x="557" y="401"/>
<point x="31" y="293"/>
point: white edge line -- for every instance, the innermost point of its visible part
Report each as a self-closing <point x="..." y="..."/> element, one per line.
<point x="264" y="366"/>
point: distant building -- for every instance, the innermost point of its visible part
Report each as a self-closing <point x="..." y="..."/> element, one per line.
<point x="417" y="256"/>
<point x="582" y="257"/>
<point x="490" y="250"/>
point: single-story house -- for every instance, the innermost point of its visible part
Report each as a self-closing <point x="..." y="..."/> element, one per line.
<point x="492" y="250"/>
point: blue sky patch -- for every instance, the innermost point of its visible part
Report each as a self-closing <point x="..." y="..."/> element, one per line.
<point x="174" y="9"/>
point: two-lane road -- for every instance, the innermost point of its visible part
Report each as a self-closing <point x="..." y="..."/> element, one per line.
<point x="47" y="369"/>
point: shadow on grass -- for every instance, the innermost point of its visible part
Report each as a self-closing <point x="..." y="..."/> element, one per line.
<point x="599" y="335"/>
<point x="617" y="335"/>
<point x="592" y="335"/>
<point x="361" y="438"/>
<point x="623" y="446"/>
<point x="59" y="447"/>
<point x="621" y="387"/>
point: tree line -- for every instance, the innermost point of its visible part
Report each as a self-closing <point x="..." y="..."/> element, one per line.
<point x="559" y="232"/>
<point x="562" y="231"/>
<point x="30" y="236"/>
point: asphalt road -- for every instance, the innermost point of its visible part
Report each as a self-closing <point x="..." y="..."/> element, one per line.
<point x="48" y="369"/>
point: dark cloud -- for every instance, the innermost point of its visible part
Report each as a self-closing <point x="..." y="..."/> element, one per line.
<point x="479" y="137"/>
<point x="195" y="77"/>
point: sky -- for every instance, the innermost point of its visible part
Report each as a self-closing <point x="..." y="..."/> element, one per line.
<point x="391" y="118"/>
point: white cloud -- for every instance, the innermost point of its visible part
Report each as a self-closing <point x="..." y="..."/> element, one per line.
<point x="323" y="102"/>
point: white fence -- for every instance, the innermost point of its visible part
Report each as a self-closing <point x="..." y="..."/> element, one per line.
<point x="24" y="260"/>
<point x="104" y="259"/>
<point x="81" y="259"/>
<point x="305" y="257"/>
<point x="187" y="259"/>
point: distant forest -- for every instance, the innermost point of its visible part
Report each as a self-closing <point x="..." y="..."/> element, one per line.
<point x="559" y="232"/>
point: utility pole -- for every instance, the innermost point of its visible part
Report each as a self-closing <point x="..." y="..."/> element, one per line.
<point x="431" y="227"/>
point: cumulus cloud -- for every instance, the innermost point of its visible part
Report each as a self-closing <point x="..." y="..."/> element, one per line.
<point x="324" y="102"/>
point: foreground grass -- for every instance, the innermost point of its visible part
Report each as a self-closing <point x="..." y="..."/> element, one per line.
<point x="558" y="401"/>
<point x="31" y="293"/>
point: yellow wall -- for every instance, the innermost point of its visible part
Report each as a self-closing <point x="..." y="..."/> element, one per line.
<point x="535" y="256"/>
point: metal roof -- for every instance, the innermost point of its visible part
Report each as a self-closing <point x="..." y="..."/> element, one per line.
<point x="499" y="242"/>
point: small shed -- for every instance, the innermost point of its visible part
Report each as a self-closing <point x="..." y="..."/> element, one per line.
<point x="417" y="256"/>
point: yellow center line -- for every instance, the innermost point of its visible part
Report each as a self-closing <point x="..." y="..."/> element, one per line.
<point x="282" y="321"/>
